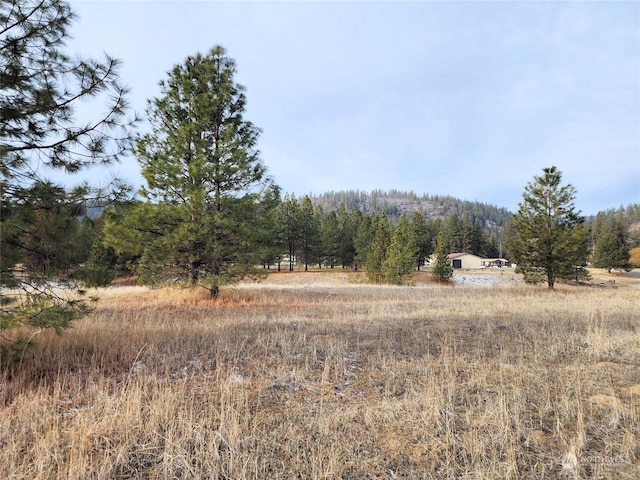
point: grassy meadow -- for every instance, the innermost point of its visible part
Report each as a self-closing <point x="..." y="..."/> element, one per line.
<point x="321" y="376"/>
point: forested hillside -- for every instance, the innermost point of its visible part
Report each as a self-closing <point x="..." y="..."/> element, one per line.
<point x="393" y="203"/>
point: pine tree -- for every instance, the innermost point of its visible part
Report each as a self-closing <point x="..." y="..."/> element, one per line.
<point x="346" y="229"/>
<point x="309" y="232"/>
<point x="477" y="239"/>
<point x="611" y="250"/>
<point x="378" y="250"/>
<point x="41" y="86"/>
<point x="349" y="233"/>
<point x="288" y="218"/>
<point x="270" y="245"/>
<point x="545" y="247"/>
<point x="204" y="174"/>
<point x="331" y="238"/>
<point x="363" y="239"/>
<point x="423" y="238"/>
<point x="319" y="216"/>
<point x="99" y="269"/>
<point x="441" y="268"/>
<point x="453" y="234"/>
<point x="400" y="259"/>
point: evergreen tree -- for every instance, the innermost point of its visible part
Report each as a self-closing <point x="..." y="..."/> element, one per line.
<point x="99" y="269"/>
<point x="349" y="232"/>
<point x="598" y="227"/>
<point x="510" y="239"/>
<point x="309" y="232"/>
<point x="400" y="260"/>
<point x="545" y="246"/>
<point x="288" y="218"/>
<point x="204" y="175"/>
<point x="378" y="250"/>
<point x="363" y="239"/>
<point x="611" y="250"/>
<point x="49" y="224"/>
<point x="478" y="242"/>
<point x="319" y="216"/>
<point x="441" y="268"/>
<point x="346" y="230"/>
<point x="453" y="234"/>
<point x="423" y="238"/>
<point x="579" y="248"/>
<point x="41" y="86"/>
<point x="331" y="238"/>
<point x="270" y="245"/>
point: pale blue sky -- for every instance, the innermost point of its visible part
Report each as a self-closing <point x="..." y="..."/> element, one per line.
<point x="470" y="99"/>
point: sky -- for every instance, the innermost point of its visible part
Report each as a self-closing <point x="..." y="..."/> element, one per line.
<point x="468" y="99"/>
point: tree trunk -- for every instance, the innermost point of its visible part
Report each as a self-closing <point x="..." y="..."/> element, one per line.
<point x="193" y="274"/>
<point x="550" y="280"/>
<point x="214" y="290"/>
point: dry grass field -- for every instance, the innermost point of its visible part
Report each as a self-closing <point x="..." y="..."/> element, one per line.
<point x="321" y="376"/>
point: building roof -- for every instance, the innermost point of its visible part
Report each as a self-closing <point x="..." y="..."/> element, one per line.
<point x="461" y="254"/>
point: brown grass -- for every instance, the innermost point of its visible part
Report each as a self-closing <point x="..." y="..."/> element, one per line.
<point x="318" y="376"/>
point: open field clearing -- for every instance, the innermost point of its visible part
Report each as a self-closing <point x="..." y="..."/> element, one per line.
<point x="321" y="376"/>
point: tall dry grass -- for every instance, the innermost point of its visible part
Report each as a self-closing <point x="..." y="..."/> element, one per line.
<point x="320" y="377"/>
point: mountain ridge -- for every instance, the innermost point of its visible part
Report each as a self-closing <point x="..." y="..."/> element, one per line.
<point x="393" y="203"/>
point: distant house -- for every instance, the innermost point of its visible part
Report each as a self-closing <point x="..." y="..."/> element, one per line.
<point x="470" y="261"/>
<point x="495" y="262"/>
<point x="465" y="260"/>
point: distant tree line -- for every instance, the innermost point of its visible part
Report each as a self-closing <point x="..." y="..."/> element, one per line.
<point x="295" y="234"/>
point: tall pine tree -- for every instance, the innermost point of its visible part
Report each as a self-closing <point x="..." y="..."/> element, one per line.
<point x="400" y="261"/>
<point x="423" y="238"/>
<point x="548" y="244"/>
<point x="441" y="268"/>
<point x="378" y="249"/>
<point x="611" y="250"/>
<point x="331" y="244"/>
<point x="363" y="239"/>
<point x="309" y="232"/>
<point x="203" y="174"/>
<point x="288" y="218"/>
